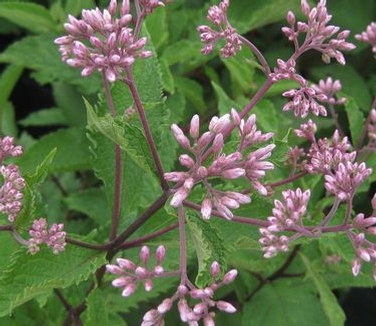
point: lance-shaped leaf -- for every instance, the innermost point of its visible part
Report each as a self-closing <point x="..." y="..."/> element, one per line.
<point x="29" y="276"/>
<point x="209" y="247"/>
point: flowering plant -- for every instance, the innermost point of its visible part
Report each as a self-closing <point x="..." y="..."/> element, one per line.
<point x="160" y="201"/>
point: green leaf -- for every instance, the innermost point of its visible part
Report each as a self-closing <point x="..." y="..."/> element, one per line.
<point x="31" y="16"/>
<point x="91" y="202"/>
<point x="284" y="303"/>
<point x="156" y="24"/>
<point x="193" y="91"/>
<point x="8" y="80"/>
<point x="73" y="110"/>
<point x="44" y="117"/>
<point x="242" y="71"/>
<point x="39" y="54"/>
<point x="181" y="51"/>
<point x="130" y="138"/>
<point x="328" y="300"/>
<point x="72" y="151"/>
<point x="355" y="118"/>
<point x="209" y="247"/>
<point x="224" y="102"/>
<point x="97" y="312"/>
<point x="43" y="272"/>
<point x="246" y="16"/>
<point x="74" y="7"/>
<point x="33" y="181"/>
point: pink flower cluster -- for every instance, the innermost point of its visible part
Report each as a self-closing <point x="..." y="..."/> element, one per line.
<point x="201" y="310"/>
<point x="12" y="182"/>
<point x="53" y="237"/>
<point x="343" y="175"/>
<point x="222" y="166"/>
<point x="8" y="149"/>
<point x="103" y="41"/>
<point x="287" y="216"/>
<point x="369" y="36"/>
<point x="308" y="97"/>
<point x="209" y="37"/>
<point x="129" y="274"/>
<point x="318" y="35"/>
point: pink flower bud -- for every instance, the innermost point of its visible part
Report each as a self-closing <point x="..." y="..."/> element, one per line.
<point x="158" y="270"/>
<point x="126" y="264"/>
<point x="141" y="272"/>
<point x="226" y="307"/>
<point x="180" y="137"/>
<point x="206" y="208"/>
<point x="145" y="254"/>
<point x="230" y="276"/>
<point x="217" y="143"/>
<point x="356" y="266"/>
<point x="235" y="117"/>
<point x="129" y="290"/>
<point x="114" y="269"/>
<point x="179" y="196"/>
<point x="186" y="161"/>
<point x="215" y="269"/>
<point x="233" y="173"/>
<point x="122" y="281"/>
<point x="165" y="306"/>
<point x="160" y="254"/>
<point x="194" y="129"/>
<point x="148" y="285"/>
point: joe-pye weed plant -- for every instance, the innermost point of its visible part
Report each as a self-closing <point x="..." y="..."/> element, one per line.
<point x="259" y="208"/>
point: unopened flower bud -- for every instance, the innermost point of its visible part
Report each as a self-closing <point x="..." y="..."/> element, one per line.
<point x="126" y="264"/>
<point x="215" y="269"/>
<point x="230" y="276"/>
<point x="145" y="254"/>
<point x="194" y="129"/>
<point x="129" y="290"/>
<point x="160" y="254"/>
<point x="226" y="307"/>
<point x="165" y="306"/>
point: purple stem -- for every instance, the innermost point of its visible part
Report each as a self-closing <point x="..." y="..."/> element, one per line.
<point x="141" y="240"/>
<point x="145" y="125"/>
<point x="118" y="183"/>
<point x="258" y="54"/>
<point x="258" y="96"/>
<point x="183" y="247"/>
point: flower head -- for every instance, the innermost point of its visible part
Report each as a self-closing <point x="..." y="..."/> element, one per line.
<point x="53" y="237"/>
<point x="103" y="40"/>
<point x="318" y="34"/>
<point x="209" y="37"/>
<point x="11" y="191"/>
<point x="369" y="36"/>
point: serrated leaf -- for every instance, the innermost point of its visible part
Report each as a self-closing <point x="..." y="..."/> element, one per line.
<point x="31" y="16"/>
<point x="130" y="139"/>
<point x="328" y="300"/>
<point x="41" y="273"/>
<point x="209" y="247"/>
<point x="97" y="312"/>
<point x="284" y="303"/>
